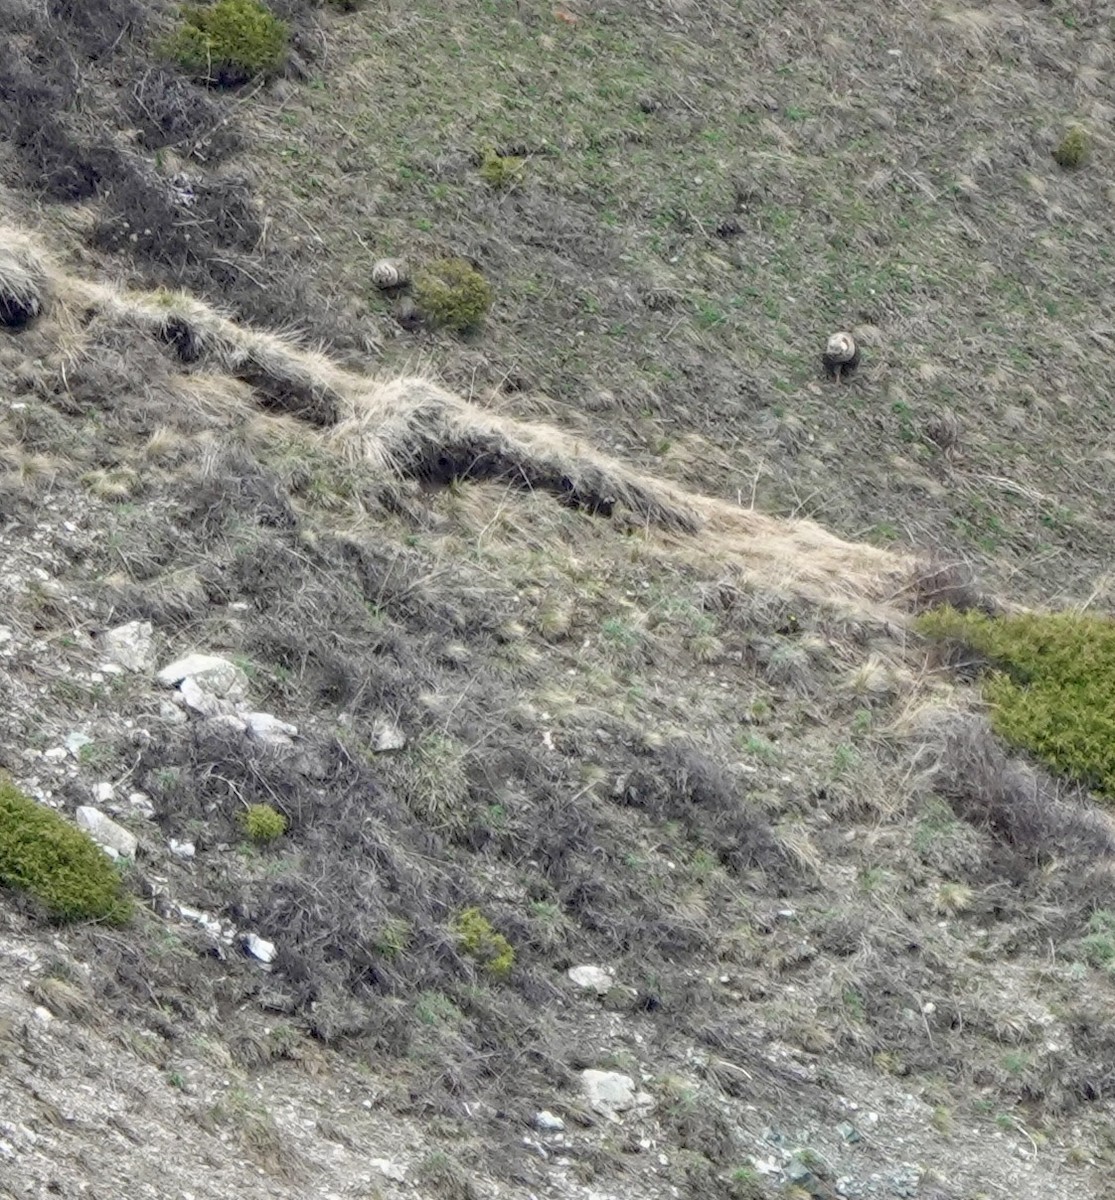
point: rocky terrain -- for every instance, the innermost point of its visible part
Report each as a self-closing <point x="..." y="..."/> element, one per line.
<point x="630" y="840"/>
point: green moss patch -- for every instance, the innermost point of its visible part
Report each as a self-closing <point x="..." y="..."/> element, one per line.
<point x="1074" y="149"/>
<point x="44" y="855"/>
<point x="229" y="42"/>
<point x="452" y="293"/>
<point x="478" y="939"/>
<point x="262" y="823"/>
<point x="1052" y="686"/>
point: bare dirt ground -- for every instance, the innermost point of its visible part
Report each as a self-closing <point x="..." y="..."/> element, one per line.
<point x="557" y="647"/>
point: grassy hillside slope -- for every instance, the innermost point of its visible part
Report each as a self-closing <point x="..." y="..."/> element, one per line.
<point x="568" y="673"/>
<point x="707" y="191"/>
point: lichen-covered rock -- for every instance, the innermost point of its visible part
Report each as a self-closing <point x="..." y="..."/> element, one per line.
<point x="608" y="1092"/>
<point x="106" y="833"/>
<point x="131" y="645"/>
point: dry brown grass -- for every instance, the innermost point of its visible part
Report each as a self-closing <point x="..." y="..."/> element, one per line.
<point x="64" y="998"/>
<point x="413" y="428"/>
<point x="23" y="281"/>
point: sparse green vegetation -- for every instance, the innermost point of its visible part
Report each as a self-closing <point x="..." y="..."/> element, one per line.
<point x="1052" y="687"/>
<point x="500" y="172"/>
<point x="228" y="42"/>
<point x="953" y="898"/>
<point x="394" y="938"/>
<point x="943" y="1120"/>
<point x="262" y="823"/>
<point x="443" y="1178"/>
<point x="450" y="292"/>
<point x="43" y="855"/>
<point x="1098" y="944"/>
<point x="248" y="1120"/>
<point x="652" y="754"/>
<point x="745" y="1183"/>
<point x="480" y="941"/>
<point x="1074" y="149"/>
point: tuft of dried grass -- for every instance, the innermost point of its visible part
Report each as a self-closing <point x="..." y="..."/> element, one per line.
<point x="63" y="997"/>
<point x="412" y="428"/>
<point x="935" y="581"/>
<point x="1038" y="818"/>
<point x="444" y="1178"/>
<point x="23" y="281"/>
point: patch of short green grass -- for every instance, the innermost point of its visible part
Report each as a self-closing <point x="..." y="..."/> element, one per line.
<point x="1051" y="686"/>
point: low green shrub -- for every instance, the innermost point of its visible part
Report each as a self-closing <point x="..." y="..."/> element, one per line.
<point x="500" y="172"/>
<point x="1098" y="944"/>
<point x="42" y="854"/>
<point x="444" y="1178"/>
<point x="453" y="293"/>
<point x="228" y="42"/>
<point x="262" y="823"/>
<point x="479" y="940"/>
<point x="1073" y="149"/>
<point x="1052" y="686"/>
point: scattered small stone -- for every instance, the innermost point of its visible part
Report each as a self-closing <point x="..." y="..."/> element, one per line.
<point x="182" y="849"/>
<point x="193" y="664"/>
<point x="388" y="1169"/>
<point x="223" y="725"/>
<point x="313" y="763"/>
<point x="197" y="917"/>
<point x="76" y="742"/>
<point x="799" y="1172"/>
<point x="591" y="978"/>
<point x="270" y="730"/>
<point x="389" y="273"/>
<point x="44" y="1014"/>
<point x="55" y="754"/>
<point x="208" y="683"/>
<point x="105" y="832"/>
<point x="171" y="713"/>
<point x="548" y="1122"/>
<point x="201" y="700"/>
<point x="387" y="736"/>
<point x="131" y="646"/>
<point x="608" y="1092"/>
<point x="259" y="947"/>
<point x="141" y="802"/>
<point x="104" y="793"/>
<point x="906" y="1181"/>
<point x="849" y="1132"/>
